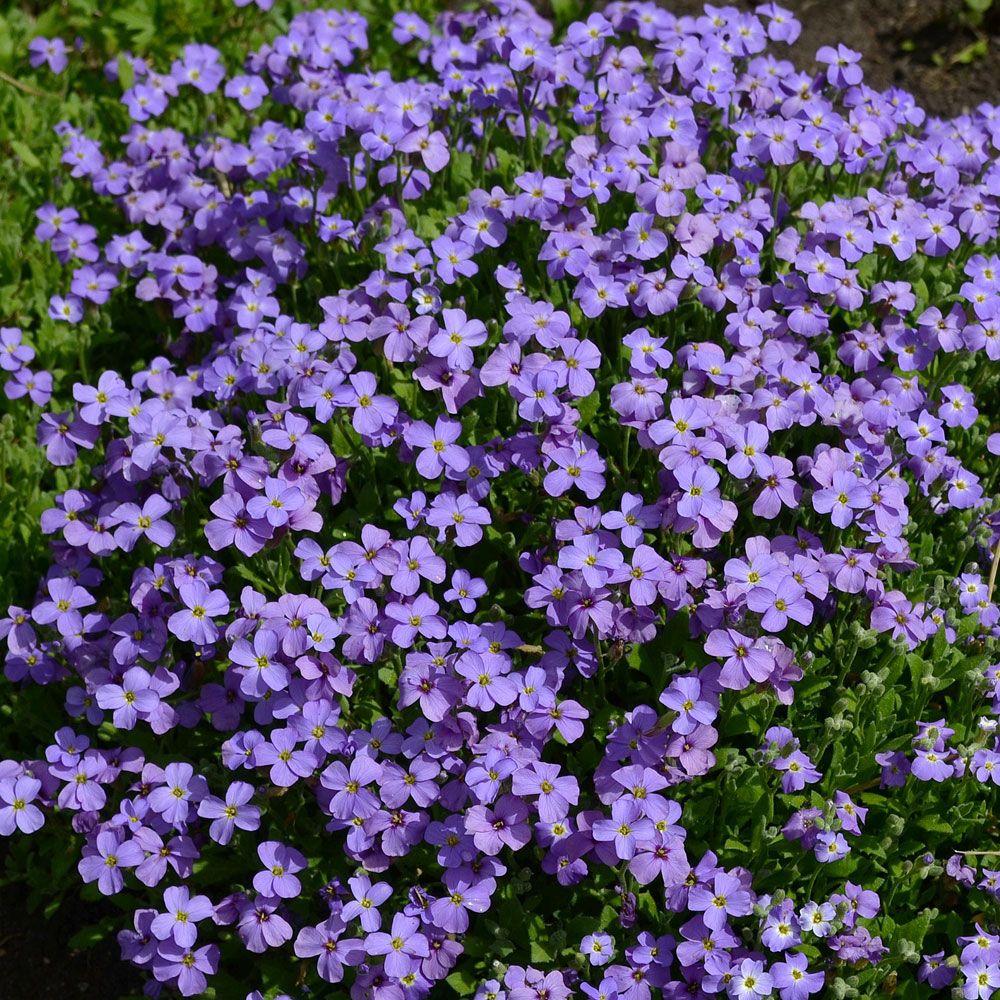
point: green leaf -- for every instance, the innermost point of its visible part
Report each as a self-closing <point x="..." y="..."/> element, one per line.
<point x="915" y="930"/>
<point x="87" y="937"/>
<point x="25" y="154"/>
<point x="539" y="953"/>
<point x="588" y="408"/>
<point x="126" y="74"/>
<point x="969" y="625"/>
<point x="975" y="50"/>
<point x="462" y="982"/>
<point x="461" y="169"/>
<point x="934" y="824"/>
<point x="251" y="577"/>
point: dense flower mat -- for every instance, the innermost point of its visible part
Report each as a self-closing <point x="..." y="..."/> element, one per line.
<point x="554" y="554"/>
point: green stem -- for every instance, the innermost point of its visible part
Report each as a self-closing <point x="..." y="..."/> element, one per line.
<point x="25" y="88"/>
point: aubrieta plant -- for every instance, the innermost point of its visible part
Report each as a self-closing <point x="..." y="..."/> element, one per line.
<point x="554" y="553"/>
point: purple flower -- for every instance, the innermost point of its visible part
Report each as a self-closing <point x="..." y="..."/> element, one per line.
<point x="280" y="865"/>
<point x="462" y="897"/>
<point x="262" y="926"/>
<point x="931" y="765"/>
<point x="263" y="670"/>
<point x="724" y="897"/>
<point x="135" y="522"/>
<point x="93" y="284"/>
<point x="684" y="696"/>
<point x="750" y="980"/>
<point x="830" y="846"/>
<point x="935" y="972"/>
<point x="894" y="613"/>
<point x="350" y="796"/>
<point x="183" y="911"/>
<point x="556" y="792"/>
<point x="14" y="354"/>
<point x="82" y="791"/>
<point x="458" y="512"/>
<point x="366" y="902"/>
<point x="249" y="91"/>
<point x="371" y="412"/>
<point x="61" y="434"/>
<point x="180" y="789"/>
<point x="187" y="968"/>
<point x="63" y="608"/>
<point x="597" y="292"/>
<point x="841" y="498"/>
<point x="37" y="386"/>
<point x="465" y="590"/>
<point x="454" y="342"/>
<point x="489" y="684"/>
<point x="699" y="485"/>
<point x="502" y="826"/>
<point x="641" y="239"/>
<point x="842" y="65"/>
<point x="744" y="660"/>
<point x="596" y="564"/>
<point x="194" y="623"/>
<point x="584" y="471"/>
<point x="230" y="814"/>
<point x="104" y="860"/>
<point x="402" y="946"/>
<point x="288" y="763"/>
<point x="438" y="450"/>
<point x="626" y="828"/>
<point x="233" y="525"/>
<point x="324" y="940"/>
<point x="981" y="979"/>
<point x="132" y="697"/>
<point x="276" y="505"/>
<point x="50" y="52"/>
<point x="787" y="600"/>
<point x="762" y="459"/>
<point x="416" y="617"/>
<point x="17" y="811"/>
<point x="599" y="948"/>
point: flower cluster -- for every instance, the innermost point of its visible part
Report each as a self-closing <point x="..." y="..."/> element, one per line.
<point x="15" y="360"/>
<point x="529" y="431"/>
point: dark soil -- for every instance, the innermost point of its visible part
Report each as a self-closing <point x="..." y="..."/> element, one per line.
<point x="37" y="963"/>
<point x="924" y="46"/>
<point x="918" y="45"/>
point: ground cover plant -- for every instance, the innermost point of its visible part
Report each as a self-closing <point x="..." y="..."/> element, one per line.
<point x="551" y="547"/>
